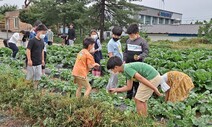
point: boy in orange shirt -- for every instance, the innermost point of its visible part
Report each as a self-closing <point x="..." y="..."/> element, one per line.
<point x="83" y="64"/>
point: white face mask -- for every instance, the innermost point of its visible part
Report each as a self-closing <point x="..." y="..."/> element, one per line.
<point x="42" y="36"/>
<point x="94" y="37"/>
<point x="92" y="50"/>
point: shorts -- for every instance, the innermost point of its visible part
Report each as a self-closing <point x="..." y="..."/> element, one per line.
<point x="34" y="73"/>
<point x="144" y="92"/>
<point x="81" y="81"/>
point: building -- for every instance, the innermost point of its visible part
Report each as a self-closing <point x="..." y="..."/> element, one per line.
<point x="154" y="16"/>
<point x="161" y="24"/>
<point x="171" y="32"/>
<point x="13" y="23"/>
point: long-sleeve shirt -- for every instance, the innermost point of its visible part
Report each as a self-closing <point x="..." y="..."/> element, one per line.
<point x="15" y="38"/>
<point x="136" y="47"/>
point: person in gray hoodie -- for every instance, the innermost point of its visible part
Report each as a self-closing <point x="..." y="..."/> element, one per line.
<point x="136" y="50"/>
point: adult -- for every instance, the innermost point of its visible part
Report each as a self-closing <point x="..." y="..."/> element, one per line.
<point x="71" y="37"/>
<point x="176" y="85"/>
<point x="50" y="36"/>
<point x="16" y="37"/>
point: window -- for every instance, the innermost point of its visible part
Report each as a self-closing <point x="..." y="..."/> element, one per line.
<point x="155" y="21"/>
<point x="142" y="19"/>
<point x="161" y="21"/>
<point x="172" y="21"/>
<point x="148" y="20"/>
<point x="167" y="21"/>
<point x="16" y="22"/>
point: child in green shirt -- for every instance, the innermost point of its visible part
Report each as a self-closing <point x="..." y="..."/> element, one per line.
<point x="146" y="75"/>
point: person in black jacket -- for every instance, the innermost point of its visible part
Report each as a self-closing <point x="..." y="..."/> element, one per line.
<point x="71" y="37"/>
<point x="136" y="50"/>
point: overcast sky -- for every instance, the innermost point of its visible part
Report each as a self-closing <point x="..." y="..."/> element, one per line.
<point x="192" y="10"/>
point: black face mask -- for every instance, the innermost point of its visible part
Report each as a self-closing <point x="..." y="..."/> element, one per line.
<point x="115" y="39"/>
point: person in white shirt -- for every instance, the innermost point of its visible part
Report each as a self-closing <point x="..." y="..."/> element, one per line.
<point x="50" y="35"/>
<point x="16" y="37"/>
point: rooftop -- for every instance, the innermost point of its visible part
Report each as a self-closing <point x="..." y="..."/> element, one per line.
<point x="171" y="29"/>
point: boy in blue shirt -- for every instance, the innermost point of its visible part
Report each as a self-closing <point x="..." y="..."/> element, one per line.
<point x="114" y="49"/>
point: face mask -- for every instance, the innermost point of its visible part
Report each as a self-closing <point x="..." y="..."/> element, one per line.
<point x="92" y="50"/>
<point x="42" y="36"/>
<point x="94" y="37"/>
<point x="115" y="39"/>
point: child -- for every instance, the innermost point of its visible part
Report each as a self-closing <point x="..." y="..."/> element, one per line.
<point x="71" y="35"/>
<point x="114" y="49"/>
<point x="83" y="64"/>
<point x="97" y="52"/>
<point x="146" y="75"/>
<point x="45" y="41"/>
<point x="136" y="51"/>
<point x="35" y="55"/>
<point x="176" y="85"/>
<point x="16" y="37"/>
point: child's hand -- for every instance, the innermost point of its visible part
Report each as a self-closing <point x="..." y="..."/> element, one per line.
<point x="158" y="93"/>
<point x="112" y="90"/>
<point x="43" y="62"/>
<point x="96" y="66"/>
<point x="29" y="62"/>
<point x="136" y="57"/>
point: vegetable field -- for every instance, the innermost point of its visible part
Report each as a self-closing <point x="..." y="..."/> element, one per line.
<point x="54" y="104"/>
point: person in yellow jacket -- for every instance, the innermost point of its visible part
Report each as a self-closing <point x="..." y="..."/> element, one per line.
<point x="176" y="85"/>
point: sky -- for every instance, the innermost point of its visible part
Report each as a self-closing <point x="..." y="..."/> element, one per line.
<point x="192" y="10"/>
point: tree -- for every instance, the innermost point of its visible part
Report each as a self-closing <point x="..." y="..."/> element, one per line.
<point x="100" y="14"/>
<point x="205" y="31"/>
<point x="198" y="22"/>
<point x="52" y="12"/>
<point x="5" y="8"/>
<point x="112" y="12"/>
